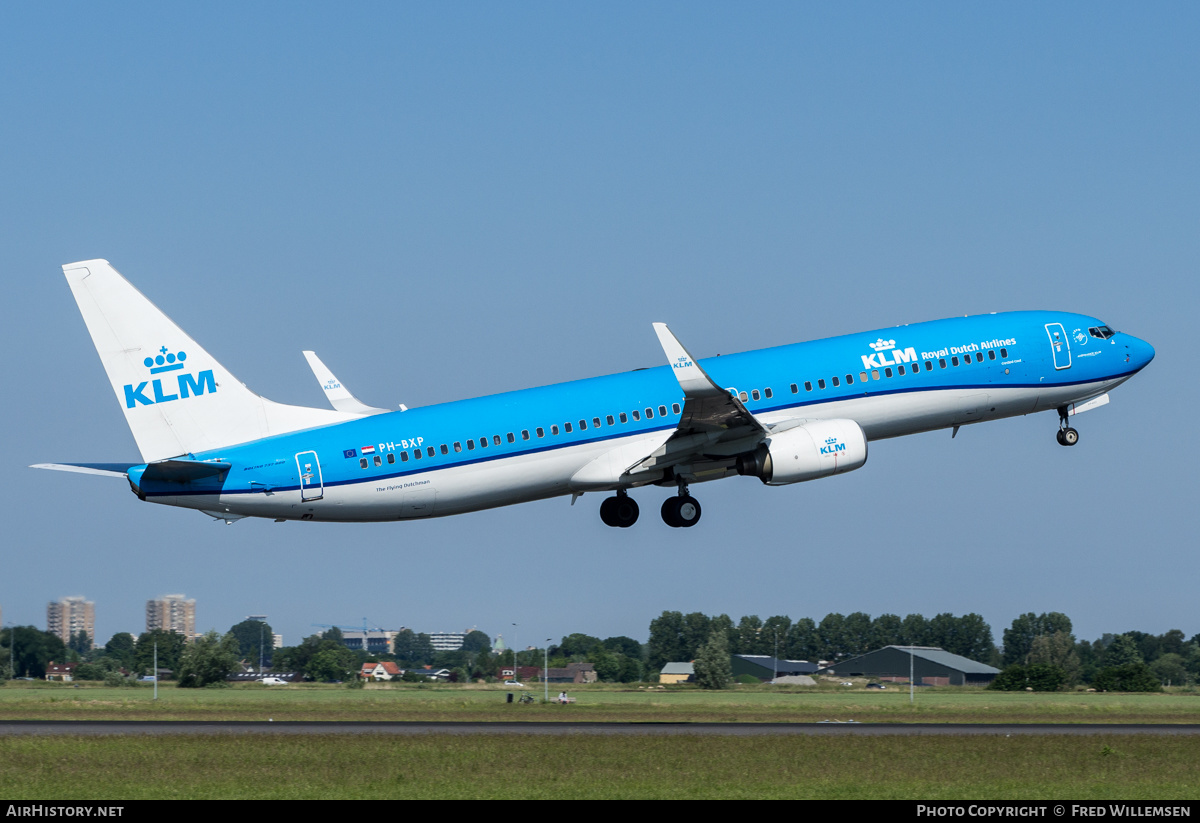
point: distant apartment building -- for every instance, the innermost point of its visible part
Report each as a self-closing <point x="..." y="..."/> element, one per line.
<point x="173" y="613"/>
<point x="69" y="616"/>
<point x="447" y="641"/>
<point x="375" y="641"/>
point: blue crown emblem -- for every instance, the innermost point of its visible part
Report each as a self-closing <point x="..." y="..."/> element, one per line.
<point x="831" y="440"/>
<point x="165" y="361"/>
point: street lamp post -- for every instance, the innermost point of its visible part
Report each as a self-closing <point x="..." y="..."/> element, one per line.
<point x="546" y="671"/>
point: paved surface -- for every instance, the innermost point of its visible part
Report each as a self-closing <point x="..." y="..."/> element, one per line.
<point x="111" y="727"/>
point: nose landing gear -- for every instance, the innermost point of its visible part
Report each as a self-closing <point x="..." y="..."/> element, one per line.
<point x="1066" y="435"/>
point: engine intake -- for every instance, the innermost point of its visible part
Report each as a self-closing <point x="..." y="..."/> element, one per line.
<point x="807" y="452"/>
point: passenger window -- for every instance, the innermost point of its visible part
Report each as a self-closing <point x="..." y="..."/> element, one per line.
<point x="636" y="416"/>
<point x="567" y="428"/>
<point x="942" y="362"/>
<point x="362" y="462"/>
<point x="954" y="361"/>
<point x="675" y="408"/>
<point x="929" y="365"/>
<point x="795" y="389"/>
<point x="554" y="429"/>
<point x="821" y="383"/>
<point x="378" y="462"/>
<point x="649" y="414"/>
<point x="768" y="393"/>
<point x="524" y="434"/>
<point x="754" y="394"/>
<point x="1004" y="352"/>
<point x="445" y="449"/>
<point x="583" y="425"/>
<point x="899" y="370"/>
<point x="849" y="379"/>
<point x="417" y="454"/>
<point x="595" y="422"/>
<point x="887" y="372"/>
<point x="430" y="451"/>
<point x="541" y="432"/>
<point x="609" y="418"/>
<point x="836" y="382"/>
<point x="862" y="377"/>
<point x="483" y="442"/>
<point x="991" y="354"/>
<point x="624" y="417"/>
<point x="391" y="457"/>
<point x="978" y="357"/>
<point x="916" y="366"/>
<point x="511" y="438"/>
<point x="874" y="374"/>
<point x="457" y="446"/>
<point x="403" y="457"/>
<point x="662" y="411"/>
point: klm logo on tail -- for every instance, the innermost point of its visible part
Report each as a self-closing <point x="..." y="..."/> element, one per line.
<point x="185" y="385"/>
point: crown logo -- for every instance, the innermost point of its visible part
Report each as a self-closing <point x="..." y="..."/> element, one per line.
<point x="883" y="345"/>
<point x="829" y="441"/>
<point x="165" y="361"/>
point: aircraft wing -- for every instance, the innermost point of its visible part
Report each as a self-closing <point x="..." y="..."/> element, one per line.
<point x="338" y="395"/>
<point x="712" y="416"/>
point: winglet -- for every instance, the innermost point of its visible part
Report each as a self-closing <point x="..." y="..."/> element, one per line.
<point x="338" y="395"/>
<point x="694" y="381"/>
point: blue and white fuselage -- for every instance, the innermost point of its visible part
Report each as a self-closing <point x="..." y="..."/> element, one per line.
<point x="785" y="415"/>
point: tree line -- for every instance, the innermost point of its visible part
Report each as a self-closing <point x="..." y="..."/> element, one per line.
<point x="1036" y="650"/>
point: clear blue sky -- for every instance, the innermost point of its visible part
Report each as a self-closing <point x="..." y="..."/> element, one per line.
<point x="446" y="200"/>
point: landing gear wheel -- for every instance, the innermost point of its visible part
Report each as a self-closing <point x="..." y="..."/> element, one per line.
<point x="669" y="513"/>
<point x="620" y="511"/>
<point x="1058" y="435"/>
<point x="687" y="511"/>
<point x="1069" y="437"/>
<point x="680" y="512"/>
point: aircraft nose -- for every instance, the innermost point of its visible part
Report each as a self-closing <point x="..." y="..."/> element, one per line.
<point x="1139" y="352"/>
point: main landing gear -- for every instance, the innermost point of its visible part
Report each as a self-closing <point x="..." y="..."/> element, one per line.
<point x="682" y="511"/>
<point x="1066" y="436"/>
<point x="679" y="512"/>
<point x="620" y="511"/>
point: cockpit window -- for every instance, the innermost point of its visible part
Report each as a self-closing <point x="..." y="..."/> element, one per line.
<point x="1103" y="332"/>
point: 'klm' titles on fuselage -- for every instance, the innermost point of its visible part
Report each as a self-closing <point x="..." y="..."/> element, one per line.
<point x="188" y="385"/>
<point x="889" y="358"/>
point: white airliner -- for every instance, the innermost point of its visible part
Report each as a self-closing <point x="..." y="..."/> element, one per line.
<point x="784" y="415"/>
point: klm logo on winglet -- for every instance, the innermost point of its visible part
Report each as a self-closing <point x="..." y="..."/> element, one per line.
<point x="185" y="385"/>
<point x="681" y="362"/>
<point x="886" y="354"/>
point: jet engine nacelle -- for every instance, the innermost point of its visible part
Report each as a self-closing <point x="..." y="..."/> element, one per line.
<point x="807" y="452"/>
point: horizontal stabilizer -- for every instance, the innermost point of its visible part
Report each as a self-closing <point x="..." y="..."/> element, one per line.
<point x="183" y="471"/>
<point x="338" y="395"/>
<point x="104" y="469"/>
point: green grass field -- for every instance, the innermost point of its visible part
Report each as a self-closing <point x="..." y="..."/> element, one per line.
<point x="586" y="766"/>
<point x="333" y="766"/>
<point x="595" y="703"/>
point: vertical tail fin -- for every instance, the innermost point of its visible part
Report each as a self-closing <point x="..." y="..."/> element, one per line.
<point x="176" y="397"/>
